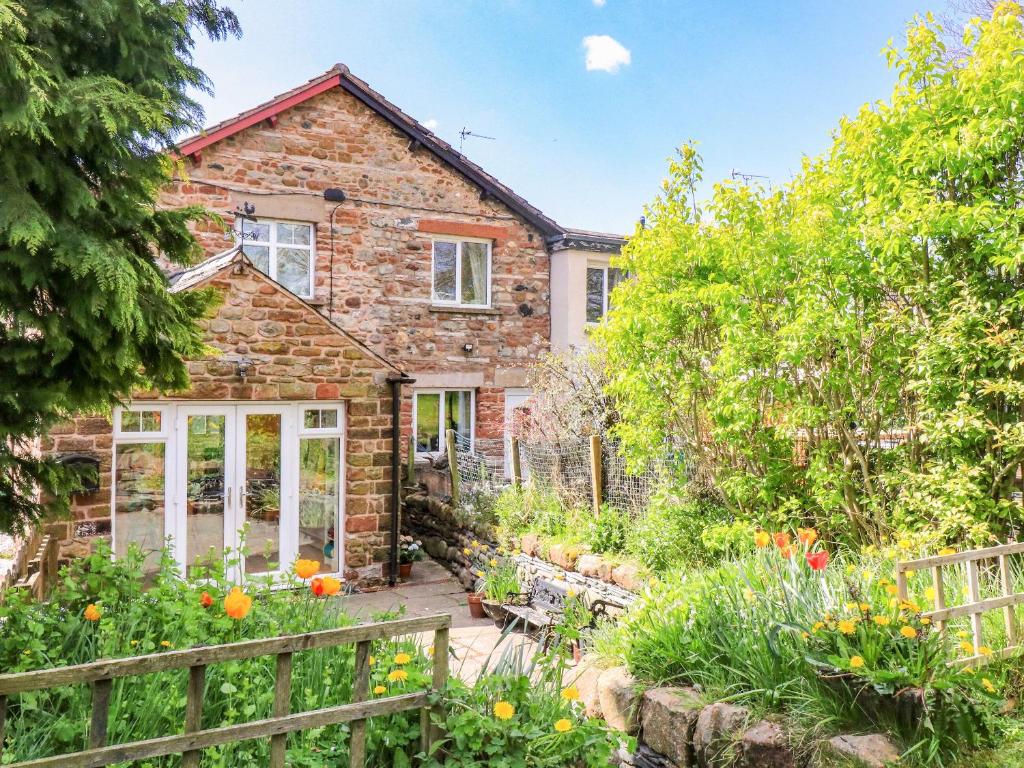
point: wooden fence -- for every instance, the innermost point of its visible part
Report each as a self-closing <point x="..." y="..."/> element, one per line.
<point x="975" y="606"/>
<point x="101" y="674"/>
<point x="35" y="566"/>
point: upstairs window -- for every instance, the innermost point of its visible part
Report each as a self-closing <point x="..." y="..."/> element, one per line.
<point x="284" y="250"/>
<point x="462" y="272"/>
<point x="601" y="281"/>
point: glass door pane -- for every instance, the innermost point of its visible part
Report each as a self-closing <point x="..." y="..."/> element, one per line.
<point x="139" y="500"/>
<point x="319" y="500"/>
<point x="261" y="488"/>
<point x="205" y="483"/>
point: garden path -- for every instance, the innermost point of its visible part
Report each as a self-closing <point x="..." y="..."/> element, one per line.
<point x="431" y="590"/>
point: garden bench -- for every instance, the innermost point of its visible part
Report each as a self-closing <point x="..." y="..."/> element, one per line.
<point x="544" y="604"/>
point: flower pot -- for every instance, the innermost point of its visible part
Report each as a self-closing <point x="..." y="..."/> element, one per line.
<point x="495" y="611"/>
<point x="405" y="570"/>
<point x="476" y="608"/>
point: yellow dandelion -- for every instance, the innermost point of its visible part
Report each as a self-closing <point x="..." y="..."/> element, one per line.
<point x="379" y="690"/>
<point x="494" y="563"/>
<point x="572" y="693"/>
<point x="882" y="621"/>
<point x="847" y="627"/>
<point x="929" y="593"/>
<point x="430" y="651"/>
<point x="851" y="606"/>
<point x="985" y="650"/>
<point x="962" y="634"/>
<point x="818" y="625"/>
<point x="504" y="711"/>
<point x="987" y="685"/>
<point x="165" y="643"/>
<point x="947" y="551"/>
<point x="402" y="658"/>
<point x="465" y="550"/>
<point x="864" y="607"/>
<point x="563" y="726"/>
<point x="925" y="621"/>
<point x="805" y="635"/>
<point x="475" y="544"/>
<point x="856" y="662"/>
<point x="748" y="595"/>
<point x="893" y="603"/>
<point x="908" y="632"/>
<point x="891" y="589"/>
<point x="966" y="647"/>
<point x="398" y="676"/>
<point x="372" y="660"/>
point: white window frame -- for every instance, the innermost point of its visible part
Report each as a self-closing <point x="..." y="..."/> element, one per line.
<point x="173" y="435"/>
<point x="605" y="293"/>
<point x="440" y="415"/>
<point x="458" y="242"/>
<point x="272" y="245"/>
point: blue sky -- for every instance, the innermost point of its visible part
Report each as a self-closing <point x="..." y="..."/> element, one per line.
<point x="757" y="84"/>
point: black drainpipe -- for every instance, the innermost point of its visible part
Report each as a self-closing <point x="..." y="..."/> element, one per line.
<point x="396" y="383"/>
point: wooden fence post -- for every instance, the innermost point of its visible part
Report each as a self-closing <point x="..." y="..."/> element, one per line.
<point x="194" y="711"/>
<point x="100" y="712"/>
<point x="360" y="692"/>
<point x="282" y="707"/>
<point x="453" y="463"/>
<point x="595" y="472"/>
<point x="517" y="469"/>
<point x="1009" y="617"/>
<point x="432" y="733"/>
<point x="974" y="594"/>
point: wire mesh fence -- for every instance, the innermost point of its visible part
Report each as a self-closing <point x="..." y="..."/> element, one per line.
<point x="565" y="469"/>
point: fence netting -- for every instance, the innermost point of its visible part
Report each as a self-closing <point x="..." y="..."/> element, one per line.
<point x="564" y="469"/>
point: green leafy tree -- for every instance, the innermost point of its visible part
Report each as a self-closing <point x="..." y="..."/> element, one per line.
<point x="847" y="348"/>
<point x="92" y="93"/>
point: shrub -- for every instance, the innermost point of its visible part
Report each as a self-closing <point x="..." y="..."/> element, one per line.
<point x="831" y="646"/>
<point x="669" y="531"/>
<point x="608" y="531"/>
<point x="519" y="716"/>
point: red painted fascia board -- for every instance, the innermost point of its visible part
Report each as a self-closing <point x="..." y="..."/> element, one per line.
<point x="200" y="142"/>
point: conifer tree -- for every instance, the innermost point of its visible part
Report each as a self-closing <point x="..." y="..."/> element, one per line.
<point x="92" y="94"/>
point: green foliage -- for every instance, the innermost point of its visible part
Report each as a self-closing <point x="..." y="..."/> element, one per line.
<point x="669" y="532"/>
<point x="607" y="532"/>
<point x="846" y="348"/>
<point x="92" y="93"/>
<point x="831" y="648"/>
<point x="171" y="615"/>
<point x="500" y="580"/>
<point x="476" y="737"/>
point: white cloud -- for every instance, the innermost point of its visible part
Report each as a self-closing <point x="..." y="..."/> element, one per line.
<point x="600" y="3"/>
<point x="431" y="124"/>
<point x="605" y="53"/>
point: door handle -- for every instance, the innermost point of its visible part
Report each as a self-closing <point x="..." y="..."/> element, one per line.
<point x="228" y="496"/>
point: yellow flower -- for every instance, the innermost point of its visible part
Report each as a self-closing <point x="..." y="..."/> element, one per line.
<point x="493" y="563"/>
<point x="882" y="621"/>
<point x="165" y="643"/>
<point x="929" y="593"/>
<point x="818" y="625"/>
<point x="987" y="685"/>
<point x="430" y="651"/>
<point x="893" y="603"/>
<point x="985" y="650"/>
<point x="306" y="568"/>
<point x="372" y="660"/>
<point x="504" y="711"/>
<point x="134" y="643"/>
<point x="865" y="607"/>
<point x="501" y="550"/>
<point x="847" y="627"/>
<point x="866" y="574"/>
<point x="908" y="632"/>
<point x="379" y="690"/>
<point x="748" y="595"/>
<point x="572" y="693"/>
<point x="966" y="647"/>
<point x="465" y="550"/>
<point x="805" y="635"/>
<point x="402" y="658"/>
<point x="563" y="725"/>
<point x="398" y="676"/>
<point x="92" y="612"/>
<point x="856" y="662"/>
<point x="962" y="634"/>
<point x="851" y="606"/>
<point x="947" y="551"/>
<point x="475" y="543"/>
<point x="891" y="589"/>
<point x="925" y="621"/>
<point x="331" y="585"/>
<point x="480" y="574"/>
<point x="762" y="539"/>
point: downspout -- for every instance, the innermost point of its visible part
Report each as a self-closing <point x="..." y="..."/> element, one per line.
<point x="396" y="383"/>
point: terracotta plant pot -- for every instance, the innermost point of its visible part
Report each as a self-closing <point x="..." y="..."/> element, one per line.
<point x="405" y="570"/>
<point x="476" y="607"/>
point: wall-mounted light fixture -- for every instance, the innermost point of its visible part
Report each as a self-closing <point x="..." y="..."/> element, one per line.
<point x="242" y="367"/>
<point x="467" y="348"/>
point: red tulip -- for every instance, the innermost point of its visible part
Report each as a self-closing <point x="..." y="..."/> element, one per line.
<point x="817" y="560"/>
<point x="206" y="601"/>
<point x="782" y="540"/>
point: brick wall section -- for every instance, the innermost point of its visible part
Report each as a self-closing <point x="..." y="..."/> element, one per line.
<point x="382" y="249"/>
<point x="297" y="355"/>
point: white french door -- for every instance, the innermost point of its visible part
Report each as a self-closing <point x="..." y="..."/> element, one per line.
<point x="264" y="480"/>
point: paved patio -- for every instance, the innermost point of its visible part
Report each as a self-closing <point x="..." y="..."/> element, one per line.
<point x="431" y="590"/>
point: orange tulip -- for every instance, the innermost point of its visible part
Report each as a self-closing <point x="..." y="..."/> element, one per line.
<point x="92" y="612"/>
<point x="331" y="586"/>
<point x="762" y="539"/>
<point x="782" y="540"/>
<point x="237" y="604"/>
<point x="786" y="550"/>
<point x="206" y="601"/>
<point x="306" y="568"/>
<point x="807" y="536"/>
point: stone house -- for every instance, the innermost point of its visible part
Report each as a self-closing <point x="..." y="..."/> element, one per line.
<point x="368" y="269"/>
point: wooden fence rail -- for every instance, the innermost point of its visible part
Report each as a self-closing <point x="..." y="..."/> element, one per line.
<point x="101" y="674"/>
<point x="35" y="566"/>
<point x="975" y="606"/>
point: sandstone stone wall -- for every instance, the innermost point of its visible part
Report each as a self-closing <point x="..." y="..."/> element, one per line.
<point x="296" y="355"/>
<point x="399" y="197"/>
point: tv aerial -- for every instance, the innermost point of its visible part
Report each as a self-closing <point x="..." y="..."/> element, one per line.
<point x="466" y="133"/>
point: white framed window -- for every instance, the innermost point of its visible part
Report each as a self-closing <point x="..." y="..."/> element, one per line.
<point x="601" y="281"/>
<point x="140" y="421"/>
<point x="284" y="250"/>
<point x="461" y="272"/>
<point x="437" y="410"/>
